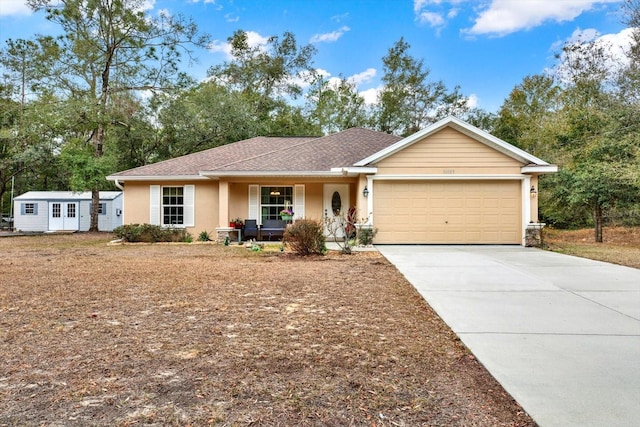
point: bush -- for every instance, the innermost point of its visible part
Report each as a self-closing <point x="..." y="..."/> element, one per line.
<point x="305" y="237"/>
<point x="204" y="236"/>
<point x="366" y="235"/>
<point x="151" y="233"/>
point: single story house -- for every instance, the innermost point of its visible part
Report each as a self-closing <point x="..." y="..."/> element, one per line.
<point x="450" y="183"/>
<point x="66" y="211"/>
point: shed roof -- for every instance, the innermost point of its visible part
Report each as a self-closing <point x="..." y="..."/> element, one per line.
<point x="66" y="195"/>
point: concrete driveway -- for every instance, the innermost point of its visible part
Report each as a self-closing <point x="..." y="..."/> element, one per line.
<point x="560" y="333"/>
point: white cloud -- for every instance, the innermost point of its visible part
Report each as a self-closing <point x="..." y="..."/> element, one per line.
<point x="364" y="77"/>
<point x="165" y="13"/>
<point x="615" y="47"/>
<point x="253" y="39"/>
<point x="371" y="95"/>
<point x="503" y="17"/>
<point x="418" y="5"/>
<point x="14" y="7"/>
<point x="329" y="37"/>
<point x="229" y="17"/>
<point x="472" y="101"/>
<point x="147" y="5"/>
<point x="432" y="18"/>
<point x="436" y="13"/>
<point x="322" y="72"/>
<point x="340" y="18"/>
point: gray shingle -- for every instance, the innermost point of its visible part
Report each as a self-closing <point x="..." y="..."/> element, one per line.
<point x="273" y="154"/>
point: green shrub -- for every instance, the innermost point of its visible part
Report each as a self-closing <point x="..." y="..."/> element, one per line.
<point x="204" y="236"/>
<point x="305" y="237"/>
<point x="151" y="233"/>
<point x="366" y="235"/>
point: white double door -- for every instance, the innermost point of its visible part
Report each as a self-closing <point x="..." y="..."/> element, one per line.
<point x="63" y="216"/>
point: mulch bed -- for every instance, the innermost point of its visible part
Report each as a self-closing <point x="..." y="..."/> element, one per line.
<point x="199" y="334"/>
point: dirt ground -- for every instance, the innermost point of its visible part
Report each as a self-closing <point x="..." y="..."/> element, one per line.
<point x="200" y="334"/>
<point x="621" y="245"/>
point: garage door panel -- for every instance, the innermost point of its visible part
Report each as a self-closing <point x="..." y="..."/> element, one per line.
<point x="448" y="212"/>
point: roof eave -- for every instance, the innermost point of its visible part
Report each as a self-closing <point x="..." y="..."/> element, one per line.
<point x="269" y="174"/>
<point x="123" y="178"/>
<point x="539" y="169"/>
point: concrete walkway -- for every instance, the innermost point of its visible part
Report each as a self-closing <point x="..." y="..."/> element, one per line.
<point x="560" y="333"/>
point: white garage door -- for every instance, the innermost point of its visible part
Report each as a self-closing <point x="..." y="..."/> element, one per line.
<point x="457" y="212"/>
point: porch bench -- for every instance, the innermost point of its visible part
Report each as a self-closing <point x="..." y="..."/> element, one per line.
<point x="272" y="227"/>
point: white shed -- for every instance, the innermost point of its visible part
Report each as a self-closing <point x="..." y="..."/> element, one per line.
<point x="65" y="210"/>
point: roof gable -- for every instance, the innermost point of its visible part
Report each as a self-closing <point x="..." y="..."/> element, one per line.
<point x="448" y="149"/>
<point x="462" y="127"/>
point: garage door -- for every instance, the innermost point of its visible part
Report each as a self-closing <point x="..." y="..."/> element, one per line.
<point x="458" y="212"/>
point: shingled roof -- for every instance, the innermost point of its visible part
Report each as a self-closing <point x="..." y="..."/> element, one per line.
<point x="272" y="154"/>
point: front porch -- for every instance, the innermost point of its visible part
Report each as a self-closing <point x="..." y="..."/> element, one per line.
<point x="258" y="206"/>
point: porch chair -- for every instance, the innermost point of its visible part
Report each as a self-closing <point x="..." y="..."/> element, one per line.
<point x="250" y="229"/>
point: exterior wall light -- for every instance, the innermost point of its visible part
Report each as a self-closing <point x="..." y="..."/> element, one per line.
<point x="533" y="191"/>
<point x="365" y="192"/>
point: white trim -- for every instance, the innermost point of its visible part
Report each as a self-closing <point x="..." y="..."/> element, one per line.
<point x="453" y="177"/>
<point x="371" y="189"/>
<point x="189" y="194"/>
<point x="524" y="190"/>
<point x="156" y="178"/>
<point x="462" y="126"/>
<point x="298" y="201"/>
<point x="539" y="169"/>
<point x="526" y="206"/>
<point x="154" y="205"/>
<point x="354" y="171"/>
<point x="254" y="203"/>
<point x="271" y="174"/>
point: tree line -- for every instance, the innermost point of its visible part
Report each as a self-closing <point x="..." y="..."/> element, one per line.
<point x="108" y="94"/>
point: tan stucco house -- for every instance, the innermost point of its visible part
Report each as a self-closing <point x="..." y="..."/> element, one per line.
<point x="449" y="183"/>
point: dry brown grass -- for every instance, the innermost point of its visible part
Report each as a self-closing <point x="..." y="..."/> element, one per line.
<point x="621" y="245"/>
<point x="198" y="334"/>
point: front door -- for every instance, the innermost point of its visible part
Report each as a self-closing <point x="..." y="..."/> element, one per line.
<point x="63" y="216"/>
<point x="336" y="209"/>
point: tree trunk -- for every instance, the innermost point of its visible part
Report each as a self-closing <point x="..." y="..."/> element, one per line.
<point x="95" y="208"/>
<point x="597" y="218"/>
<point x="97" y="141"/>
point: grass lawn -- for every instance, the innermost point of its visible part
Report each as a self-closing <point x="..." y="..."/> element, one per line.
<point x="621" y="245"/>
<point x="199" y="334"/>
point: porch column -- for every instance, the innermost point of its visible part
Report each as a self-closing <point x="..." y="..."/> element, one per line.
<point x="534" y="199"/>
<point x="361" y="200"/>
<point x="223" y="203"/>
<point x="223" y="228"/>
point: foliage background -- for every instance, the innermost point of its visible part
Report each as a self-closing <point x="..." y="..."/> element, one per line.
<point x="77" y="107"/>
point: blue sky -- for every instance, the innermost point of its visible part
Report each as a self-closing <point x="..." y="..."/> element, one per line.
<point x="484" y="46"/>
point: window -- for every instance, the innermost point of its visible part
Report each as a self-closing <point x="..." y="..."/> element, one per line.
<point x="29" y="209"/>
<point x="102" y="208"/>
<point x="71" y="210"/>
<point x="275" y="199"/>
<point x="172" y="206"/>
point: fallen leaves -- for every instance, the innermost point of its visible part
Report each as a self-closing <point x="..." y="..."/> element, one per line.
<point x="211" y="335"/>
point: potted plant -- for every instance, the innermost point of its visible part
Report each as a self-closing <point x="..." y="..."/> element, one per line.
<point x="286" y="214"/>
<point x="236" y="223"/>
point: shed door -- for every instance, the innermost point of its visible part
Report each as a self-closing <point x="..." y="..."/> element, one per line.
<point x="63" y="216"/>
<point x="448" y="212"/>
